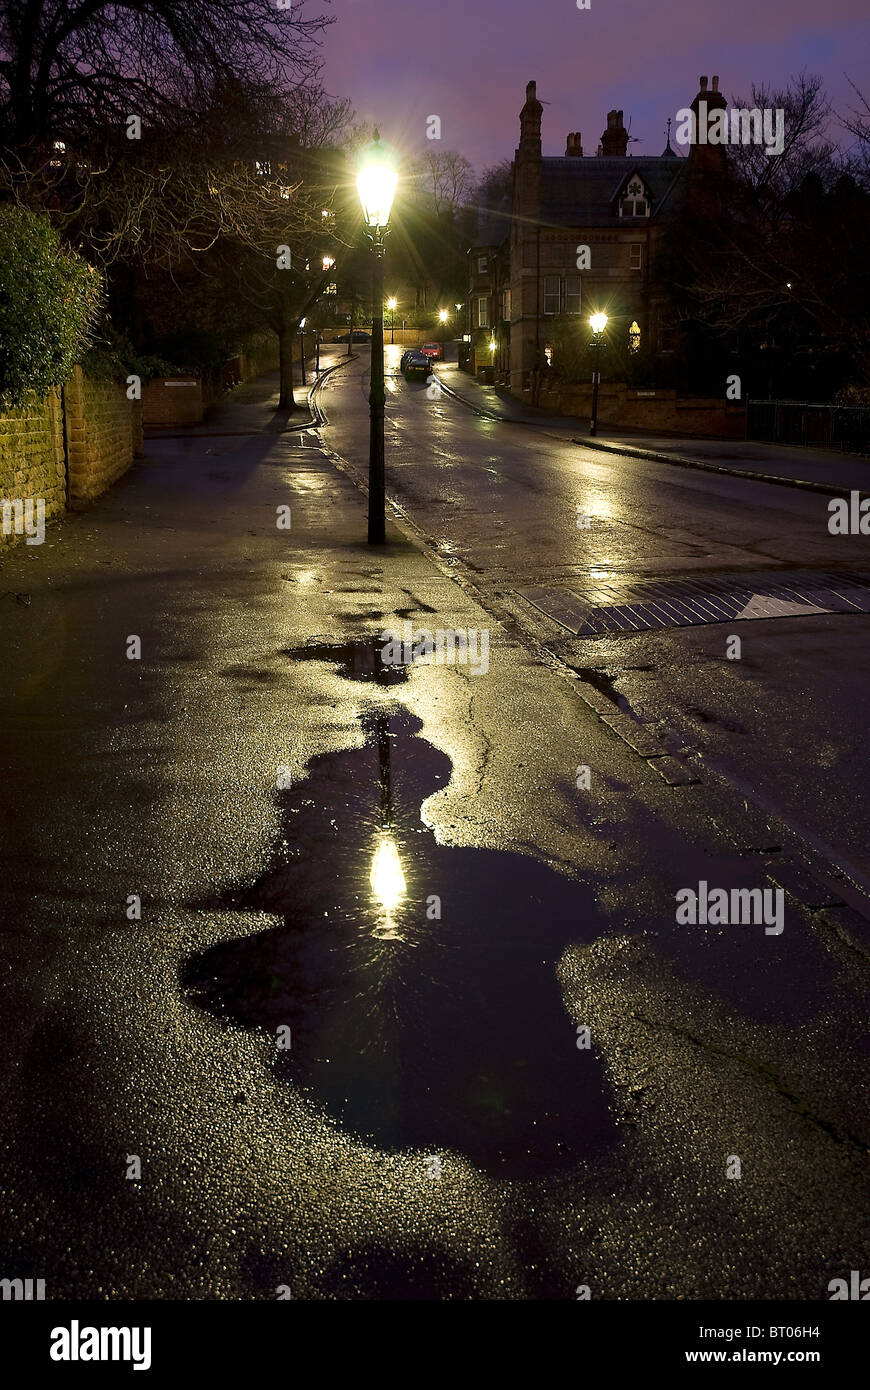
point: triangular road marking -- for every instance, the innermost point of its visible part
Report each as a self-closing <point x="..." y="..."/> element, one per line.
<point x="766" y="606"/>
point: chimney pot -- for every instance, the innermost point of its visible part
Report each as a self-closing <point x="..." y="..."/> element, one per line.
<point x="531" y="90"/>
<point x="703" y="84"/>
<point x="715" y="84"/>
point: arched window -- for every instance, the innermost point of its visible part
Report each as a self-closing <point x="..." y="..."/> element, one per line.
<point x="634" y="337"/>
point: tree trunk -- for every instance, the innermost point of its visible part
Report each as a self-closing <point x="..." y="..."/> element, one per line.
<point x="285" y="349"/>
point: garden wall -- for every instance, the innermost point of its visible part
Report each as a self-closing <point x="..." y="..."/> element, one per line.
<point x="39" y="451"/>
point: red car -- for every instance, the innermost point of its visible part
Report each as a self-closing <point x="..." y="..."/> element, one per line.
<point x="433" y="350"/>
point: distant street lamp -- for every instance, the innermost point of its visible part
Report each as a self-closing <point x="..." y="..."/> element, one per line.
<point x="391" y="305"/>
<point x="598" y="323"/>
<point x="376" y="185"/>
<point x="302" y="348"/>
<point x="443" y="315"/>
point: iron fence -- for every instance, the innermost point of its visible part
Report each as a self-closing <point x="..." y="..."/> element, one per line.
<point x="844" y="427"/>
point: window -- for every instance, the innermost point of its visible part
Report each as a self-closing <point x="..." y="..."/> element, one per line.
<point x="552" y="294"/>
<point x="481" y="265"/>
<point x="634" y="337"/>
<point x="483" y="312"/>
<point x="634" y="202"/>
<point x="506" y="305"/>
<point x="571" y="297"/>
<point x="666" y="331"/>
<point x="636" y="249"/>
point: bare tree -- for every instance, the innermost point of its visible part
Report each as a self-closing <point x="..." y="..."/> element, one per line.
<point x="445" y="179"/>
<point x="70" y="67"/>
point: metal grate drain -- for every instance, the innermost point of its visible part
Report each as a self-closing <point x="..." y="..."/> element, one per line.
<point x="643" y="605"/>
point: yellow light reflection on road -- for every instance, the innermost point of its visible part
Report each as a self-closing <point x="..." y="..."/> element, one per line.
<point x="386" y="878"/>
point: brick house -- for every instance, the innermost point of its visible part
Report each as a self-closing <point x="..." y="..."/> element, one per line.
<point x="579" y="235"/>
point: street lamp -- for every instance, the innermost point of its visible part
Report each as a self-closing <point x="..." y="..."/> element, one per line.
<point x="598" y="323"/>
<point x="376" y="185"/>
<point x="302" y="348"/>
<point x="391" y="305"/>
<point x="443" y="315"/>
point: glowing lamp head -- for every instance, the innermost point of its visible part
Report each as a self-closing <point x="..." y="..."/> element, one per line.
<point x="386" y="877"/>
<point x="492" y="345"/>
<point x="391" y="303"/>
<point x="443" y="315"/>
<point x="598" y="322"/>
<point x="376" y="184"/>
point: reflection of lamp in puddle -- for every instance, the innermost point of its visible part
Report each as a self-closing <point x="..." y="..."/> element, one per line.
<point x="386" y="877"/>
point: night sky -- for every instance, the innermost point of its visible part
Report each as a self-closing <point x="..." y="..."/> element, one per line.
<point x="468" y="61"/>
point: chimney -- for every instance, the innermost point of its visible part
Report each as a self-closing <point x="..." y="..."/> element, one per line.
<point x="706" y="158"/>
<point x="530" y="124"/>
<point x="713" y="100"/>
<point x="614" y="141"/>
<point x="573" y="149"/>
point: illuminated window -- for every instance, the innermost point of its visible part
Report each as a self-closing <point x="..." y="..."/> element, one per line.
<point x="634" y="337"/>
<point x="548" y="354"/>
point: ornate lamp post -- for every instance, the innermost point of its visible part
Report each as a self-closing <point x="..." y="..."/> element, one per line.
<point x="376" y="185"/>
<point x="598" y="323"/>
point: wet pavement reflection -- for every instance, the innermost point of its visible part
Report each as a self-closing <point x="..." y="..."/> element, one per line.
<point x="418" y="980"/>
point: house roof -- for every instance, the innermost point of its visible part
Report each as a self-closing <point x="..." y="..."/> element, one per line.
<point x="582" y="192"/>
<point x="492" y="227"/>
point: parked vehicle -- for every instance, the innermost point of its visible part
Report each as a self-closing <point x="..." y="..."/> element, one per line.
<point x="417" y="365"/>
<point x="357" y="336"/>
<point x="433" y="350"/>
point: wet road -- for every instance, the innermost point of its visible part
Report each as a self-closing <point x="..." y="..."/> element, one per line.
<point x="500" y="503"/>
<point x="344" y="1029"/>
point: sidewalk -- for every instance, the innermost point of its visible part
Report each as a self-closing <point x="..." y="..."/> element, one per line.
<point x="820" y="470"/>
<point x="232" y="414"/>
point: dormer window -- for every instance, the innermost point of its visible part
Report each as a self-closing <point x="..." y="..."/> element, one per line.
<point x="634" y="201"/>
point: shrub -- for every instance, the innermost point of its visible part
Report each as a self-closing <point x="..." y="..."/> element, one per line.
<point x="49" y="297"/>
<point x="112" y="357"/>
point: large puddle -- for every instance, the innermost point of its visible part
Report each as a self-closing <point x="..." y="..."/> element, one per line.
<point x="418" y="980"/>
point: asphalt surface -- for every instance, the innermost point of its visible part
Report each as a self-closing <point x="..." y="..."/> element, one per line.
<point x="434" y="1130"/>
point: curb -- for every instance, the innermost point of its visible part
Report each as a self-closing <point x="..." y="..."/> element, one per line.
<point x="827" y="489"/>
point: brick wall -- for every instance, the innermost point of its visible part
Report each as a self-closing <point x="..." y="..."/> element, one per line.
<point x="623" y="407"/>
<point x="31" y="456"/>
<point x="103" y="435"/>
<point x="173" y="401"/>
<point x="260" y="355"/>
